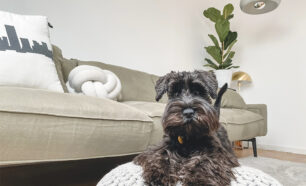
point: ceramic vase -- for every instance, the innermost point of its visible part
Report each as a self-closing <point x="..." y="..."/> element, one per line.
<point x="224" y="76"/>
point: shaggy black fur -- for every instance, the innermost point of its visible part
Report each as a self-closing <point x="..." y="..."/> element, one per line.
<point x="204" y="155"/>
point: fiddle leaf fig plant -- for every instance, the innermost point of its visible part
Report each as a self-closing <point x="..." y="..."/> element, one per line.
<point x="221" y="51"/>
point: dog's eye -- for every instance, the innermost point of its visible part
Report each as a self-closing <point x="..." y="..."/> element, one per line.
<point x="196" y="93"/>
<point x="176" y="89"/>
<point x="197" y="89"/>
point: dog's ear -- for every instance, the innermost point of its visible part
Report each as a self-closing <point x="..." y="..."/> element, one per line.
<point x="161" y="86"/>
<point x="210" y="80"/>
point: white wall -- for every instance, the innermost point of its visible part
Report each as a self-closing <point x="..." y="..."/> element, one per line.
<point x="157" y="36"/>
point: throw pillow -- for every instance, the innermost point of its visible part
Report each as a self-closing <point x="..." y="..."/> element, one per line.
<point x="26" y="53"/>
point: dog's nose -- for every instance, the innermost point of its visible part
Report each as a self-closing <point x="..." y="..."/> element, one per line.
<point x="188" y="112"/>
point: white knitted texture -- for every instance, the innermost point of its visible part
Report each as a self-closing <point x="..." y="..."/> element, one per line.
<point x="93" y="81"/>
<point x="129" y="174"/>
<point x="252" y="177"/>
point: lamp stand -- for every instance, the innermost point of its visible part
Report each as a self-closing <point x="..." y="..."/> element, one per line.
<point x="239" y="85"/>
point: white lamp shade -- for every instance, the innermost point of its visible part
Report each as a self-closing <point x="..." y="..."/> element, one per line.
<point x="258" y="6"/>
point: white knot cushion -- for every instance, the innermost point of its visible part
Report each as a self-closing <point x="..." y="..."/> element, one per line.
<point x="93" y="81"/>
<point x="129" y="174"/>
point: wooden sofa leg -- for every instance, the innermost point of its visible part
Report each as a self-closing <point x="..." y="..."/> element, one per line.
<point x="254" y="146"/>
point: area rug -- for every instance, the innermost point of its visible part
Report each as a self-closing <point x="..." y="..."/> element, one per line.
<point x="286" y="172"/>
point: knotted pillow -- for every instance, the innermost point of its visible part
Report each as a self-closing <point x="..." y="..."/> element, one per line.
<point x="93" y="81"/>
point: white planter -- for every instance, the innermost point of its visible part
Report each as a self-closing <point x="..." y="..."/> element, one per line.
<point x="223" y="76"/>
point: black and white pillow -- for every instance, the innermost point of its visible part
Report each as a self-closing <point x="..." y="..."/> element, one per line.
<point x="26" y="53"/>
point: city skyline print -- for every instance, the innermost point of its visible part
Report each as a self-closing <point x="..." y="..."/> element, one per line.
<point x="22" y="45"/>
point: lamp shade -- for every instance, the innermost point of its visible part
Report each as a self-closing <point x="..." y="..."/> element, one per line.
<point x="258" y="6"/>
<point x="241" y="76"/>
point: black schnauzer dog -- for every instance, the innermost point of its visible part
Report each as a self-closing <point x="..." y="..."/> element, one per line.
<point x="195" y="149"/>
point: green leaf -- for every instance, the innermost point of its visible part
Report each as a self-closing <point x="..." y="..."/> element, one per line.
<point x="222" y="27"/>
<point x="227" y="53"/>
<point x="231" y="37"/>
<point x="229" y="48"/>
<point x="230" y="17"/>
<point x="211" y="63"/>
<point x="227" y="66"/>
<point x="215" y="52"/>
<point x="233" y="67"/>
<point x="231" y="54"/>
<point x="212" y="13"/>
<point x="227" y="63"/>
<point x="228" y="10"/>
<point x="214" y="39"/>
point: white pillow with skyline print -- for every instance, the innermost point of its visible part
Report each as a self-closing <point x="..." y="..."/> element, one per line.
<point x="26" y="53"/>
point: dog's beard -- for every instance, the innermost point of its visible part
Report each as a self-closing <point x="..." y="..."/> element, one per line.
<point x="203" y="123"/>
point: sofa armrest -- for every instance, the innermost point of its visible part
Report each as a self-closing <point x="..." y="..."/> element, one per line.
<point x="260" y="109"/>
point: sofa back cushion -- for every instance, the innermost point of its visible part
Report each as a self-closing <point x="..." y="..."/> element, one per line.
<point x="58" y="58"/>
<point x="136" y="85"/>
<point x="231" y="99"/>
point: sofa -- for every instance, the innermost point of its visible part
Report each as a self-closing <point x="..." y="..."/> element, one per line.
<point x="40" y="129"/>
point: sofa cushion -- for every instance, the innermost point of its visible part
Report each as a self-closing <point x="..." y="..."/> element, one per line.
<point x="232" y="116"/>
<point x="29" y="138"/>
<point x="155" y="111"/>
<point x="232" y="99"/>
<point x="57" y="58"/>
<point x="239" y="123"/>
<point x="26" y="100"/>
<point x="238" y="116"/>
<point x="151" y="109"/>
<point x="136" y="85"/>
<point x="242" y="124"/>
<point x="37" y="125"/>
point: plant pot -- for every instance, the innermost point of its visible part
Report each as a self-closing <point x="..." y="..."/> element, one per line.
<point x="223" y="76"/>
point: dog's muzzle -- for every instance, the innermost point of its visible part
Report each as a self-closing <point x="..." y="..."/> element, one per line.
<point x="188" y="114"/>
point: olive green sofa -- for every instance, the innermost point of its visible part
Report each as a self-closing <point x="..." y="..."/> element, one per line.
<point x="39" y="127"/>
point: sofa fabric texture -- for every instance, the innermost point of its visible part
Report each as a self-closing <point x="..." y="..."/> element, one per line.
<point x="43" y="126"/>
<point x="58" y="61"/>
<point x="136" y="85"/>
<point x="232" y="99"/>
<point x="53" y="126"/>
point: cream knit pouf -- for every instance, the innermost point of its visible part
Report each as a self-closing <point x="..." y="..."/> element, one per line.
<point x="129" y="174"/>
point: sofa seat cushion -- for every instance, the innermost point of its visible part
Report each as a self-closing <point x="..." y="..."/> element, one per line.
<point x="39" y="126"/>
<point x="151" y="109"/>
<point x="240" y="124"/>
<point x="155" y="111"/>
<point x="238" y="116"/>
<point x="26" y="100"/>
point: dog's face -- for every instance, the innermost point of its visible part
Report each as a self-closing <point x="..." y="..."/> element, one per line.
<point x="189" y="112"/>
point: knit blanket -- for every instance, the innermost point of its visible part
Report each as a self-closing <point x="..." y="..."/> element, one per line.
<point x="130" y="174"/>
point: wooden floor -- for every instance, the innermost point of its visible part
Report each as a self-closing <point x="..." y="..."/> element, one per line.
<point x="272" y="154"/>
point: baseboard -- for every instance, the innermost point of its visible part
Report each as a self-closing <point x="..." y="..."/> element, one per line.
<point x="281" y="148"/>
